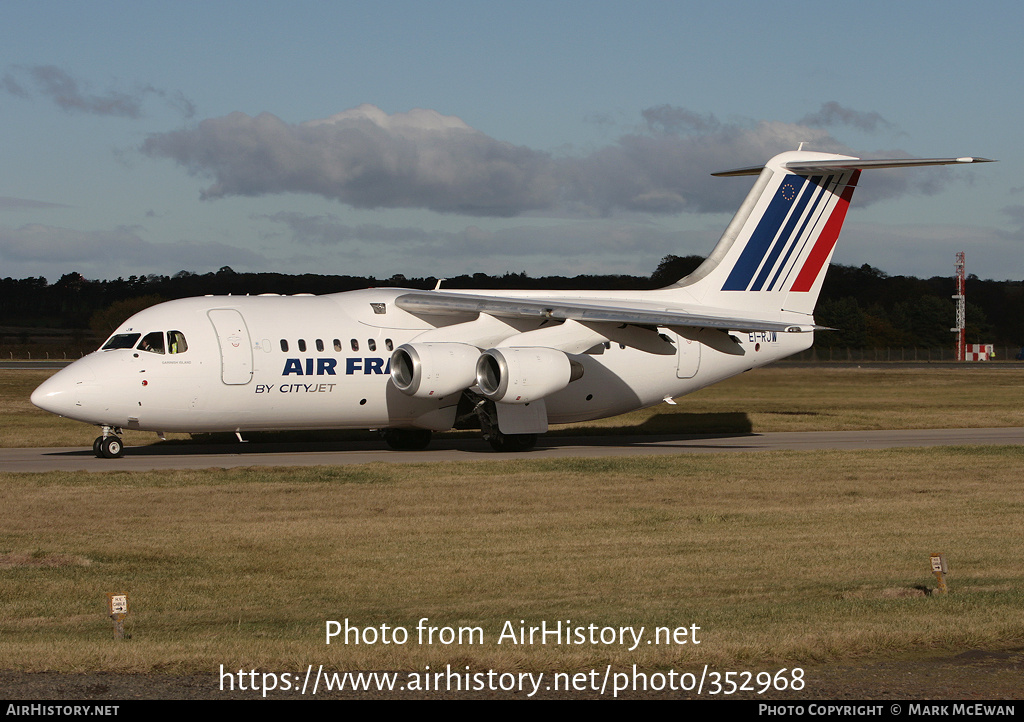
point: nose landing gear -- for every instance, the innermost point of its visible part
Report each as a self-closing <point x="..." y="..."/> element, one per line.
<point x="108" y="446"/>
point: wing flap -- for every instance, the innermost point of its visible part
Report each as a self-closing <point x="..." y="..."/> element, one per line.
<point x="435" y="303"/>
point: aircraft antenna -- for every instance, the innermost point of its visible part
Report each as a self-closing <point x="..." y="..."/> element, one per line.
<point x="961" y="307"/>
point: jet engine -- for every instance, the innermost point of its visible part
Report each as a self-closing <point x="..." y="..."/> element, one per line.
<point x="432" y="370"/>
<point x="519" y="375"/>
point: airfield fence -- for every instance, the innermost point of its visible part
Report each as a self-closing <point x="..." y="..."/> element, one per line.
<point x="893" y="354"/>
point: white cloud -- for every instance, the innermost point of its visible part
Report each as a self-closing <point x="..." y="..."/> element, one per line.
<point x="366" y="158"/>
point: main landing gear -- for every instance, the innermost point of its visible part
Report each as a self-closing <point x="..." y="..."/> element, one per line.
<point x="108" y="446"/>
<point x="474" y="412"/>
<point x="488" y="416"/>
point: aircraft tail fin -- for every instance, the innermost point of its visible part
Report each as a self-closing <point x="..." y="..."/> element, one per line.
<point x="774" y="254"/>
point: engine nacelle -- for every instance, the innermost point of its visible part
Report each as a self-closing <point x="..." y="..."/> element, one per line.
<point x="432" y="370"/>
<point x="519" y="375"/>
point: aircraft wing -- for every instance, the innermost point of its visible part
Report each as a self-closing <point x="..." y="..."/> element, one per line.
<point x="441" y="303"/>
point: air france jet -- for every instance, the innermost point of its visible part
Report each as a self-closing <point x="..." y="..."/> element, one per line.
<point x="411" y="362"/>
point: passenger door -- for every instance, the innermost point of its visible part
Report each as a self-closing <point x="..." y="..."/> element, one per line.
<point x="235" y="345"/>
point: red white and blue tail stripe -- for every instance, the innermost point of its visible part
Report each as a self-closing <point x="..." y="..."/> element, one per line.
<point x="774" y="254"/>
<point x="795" y="236"/>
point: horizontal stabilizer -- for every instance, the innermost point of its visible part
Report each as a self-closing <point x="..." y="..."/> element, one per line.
<point x="825" y="166"/>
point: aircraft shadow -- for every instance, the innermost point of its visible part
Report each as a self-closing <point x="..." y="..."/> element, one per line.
<point x="670" y="423"/>
<point x="659" y="430"/>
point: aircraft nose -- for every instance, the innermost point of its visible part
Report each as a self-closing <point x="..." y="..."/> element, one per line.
<point x="55" y="394"/>
<point x="58" y="393"/>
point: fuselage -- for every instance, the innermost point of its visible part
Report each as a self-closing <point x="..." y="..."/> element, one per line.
<point x="247" y="363"/>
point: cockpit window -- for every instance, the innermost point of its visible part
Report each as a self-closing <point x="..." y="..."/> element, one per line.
<point x="121" y="340"/>
<point x="176" y="342"/>
<point x="152" y="342"/>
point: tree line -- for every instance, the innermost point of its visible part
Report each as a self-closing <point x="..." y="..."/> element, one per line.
<point x="869" y="308"/>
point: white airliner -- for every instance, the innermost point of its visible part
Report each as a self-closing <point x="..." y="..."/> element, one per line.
<point x="411" y="362"/>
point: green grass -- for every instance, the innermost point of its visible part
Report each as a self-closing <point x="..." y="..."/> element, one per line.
<point x="779" y="557"/>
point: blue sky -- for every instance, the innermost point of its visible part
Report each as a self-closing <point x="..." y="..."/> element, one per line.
<point x="438" y="138"/>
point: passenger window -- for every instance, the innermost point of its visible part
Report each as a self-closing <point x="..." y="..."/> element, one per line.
<point x="390" y="346"/>
<point x="302" y="344"/>
<point x="121" y="340"/>
<point x="355" y="345"/>
<point x="371" y="344"/>
<point x="176" y="342"/>
<point x="337" y="344"/>
<point x="284" y="345"/>
<point x="152" y="342"/>
<point x="319" y="344"/>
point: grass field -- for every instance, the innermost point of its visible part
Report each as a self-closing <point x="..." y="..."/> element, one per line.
<point x="781" y="558"/>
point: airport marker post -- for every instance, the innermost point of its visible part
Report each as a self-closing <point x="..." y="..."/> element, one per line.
<point x="939" y="568"/>
<point x="117" y="608"/>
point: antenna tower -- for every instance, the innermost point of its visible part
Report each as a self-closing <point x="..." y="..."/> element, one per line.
<point x="961" y="307"/>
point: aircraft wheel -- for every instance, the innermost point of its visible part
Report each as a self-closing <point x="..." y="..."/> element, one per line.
<point x="111" y="447"/>
<point x="512" y="442"/>
<point x="96" y="447"/>
<point x="407" y="439"/>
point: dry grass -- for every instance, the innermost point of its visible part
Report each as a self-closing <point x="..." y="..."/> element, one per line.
<point x="781" y="558"/>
